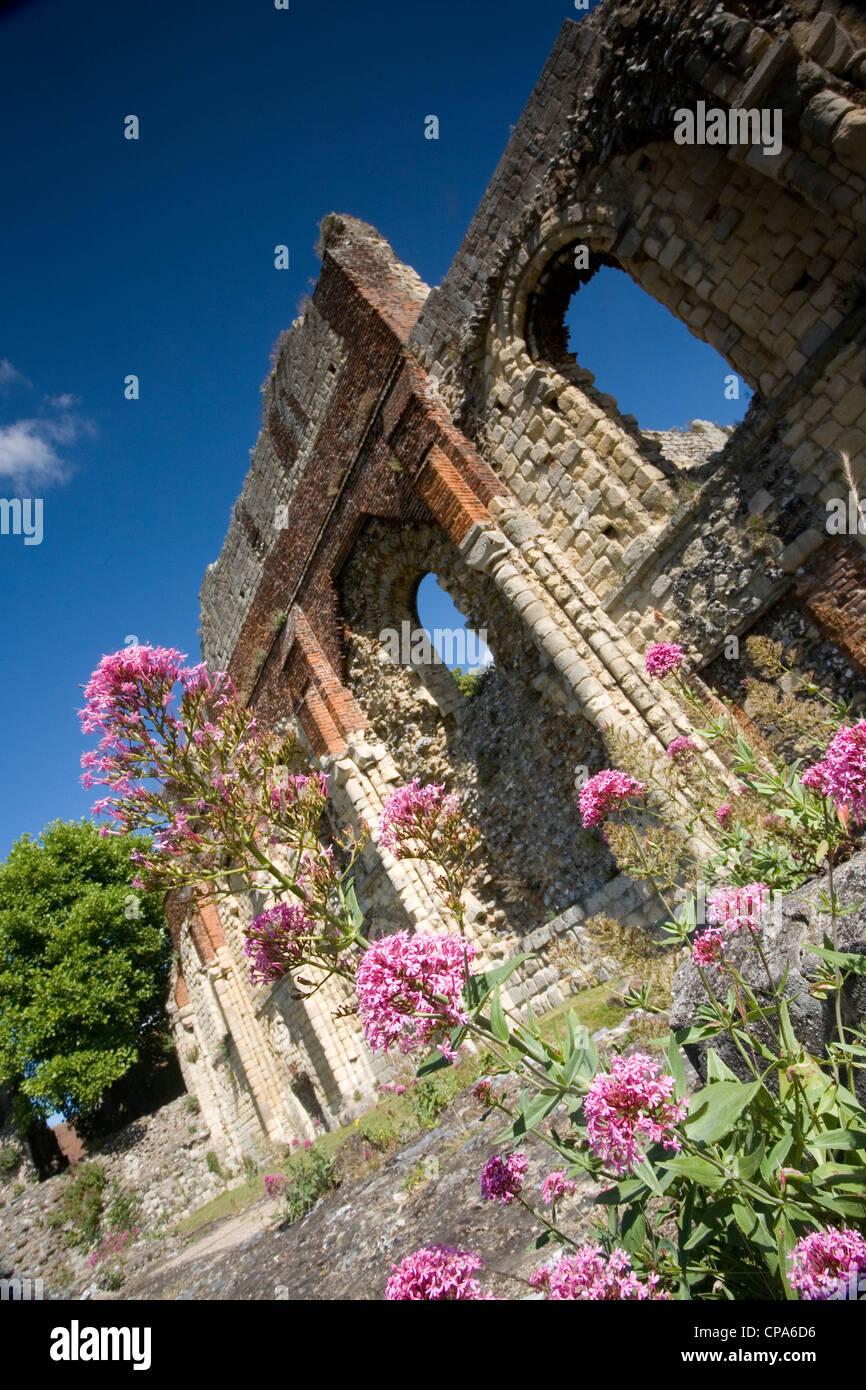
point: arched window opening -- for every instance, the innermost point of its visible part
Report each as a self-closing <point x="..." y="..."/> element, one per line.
<point x="601" y="330"/>
<point x="461" y="648"/>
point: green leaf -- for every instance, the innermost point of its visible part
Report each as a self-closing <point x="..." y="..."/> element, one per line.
<point x="838" y="1139"/>
<point x="531" y="1021"/>
<point x="489" y="979"/>
<point x="498" y="1021"/>
<point x="746" y="1217"/>
<point x="356" y="916"/>
<point x="697" y="1170"/>
<point x="846" y="960"/>
<point x="715" y="1110"/>
<point x="717" y="1070"/>
<point x="677" y="1069"/>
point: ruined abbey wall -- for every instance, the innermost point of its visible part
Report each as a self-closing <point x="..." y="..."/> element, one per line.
<point x="409" y="431"/>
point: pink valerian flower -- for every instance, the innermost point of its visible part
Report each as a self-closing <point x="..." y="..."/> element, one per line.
<point x="396" y="981"/>
<point x="502" y="1179"/>
<point x="723" y="814"/>
<point x="708" y="948"/>
<point x="307" y="1144"/>
<point x="413" y="813"/>
<point x="605" y="792"/>
<point x="275" y="941"/>
<point x="556" y="1186"/>
<point x="298" y="787"/>
<point x="114" y="1242"/>
<point x="483" y="1092"/>
<point x="815" y="777"/>
<point x="629" y="1107"/>
<point x="682" y="750"/>
<point x="114" y="692"/>
<point x="589" y="1276"/>
<point x="841" y="775"/>
<point x="664" y="657"/>
<point x="823" y="1260"/>
<point x="436" y="1273"/>
<point x="274" y="1184"/>
<point x="734" y="908"/>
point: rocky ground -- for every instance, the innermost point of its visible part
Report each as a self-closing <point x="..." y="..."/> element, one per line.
<point x="345" y="1247"/>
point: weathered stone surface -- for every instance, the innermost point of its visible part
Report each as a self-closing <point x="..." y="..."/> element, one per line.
<point x="784" y="937"/>
<point x="345" y="1247"/>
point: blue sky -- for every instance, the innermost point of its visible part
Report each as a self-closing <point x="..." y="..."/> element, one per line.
<point x="155" y="257"/>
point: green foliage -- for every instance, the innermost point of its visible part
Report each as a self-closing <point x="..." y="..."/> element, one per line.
<point x="193" y="1104"/>
<point x="84" y="964"/>
<point x="470" y="683"/>
<point x="82" y="1204"/>
<point x="213" y="1163"/>
<point x="429" y="1099"/>
<point x="315" y="1173"/>
<point x="10" y="1157"/>
<point x="123" y="1212"/>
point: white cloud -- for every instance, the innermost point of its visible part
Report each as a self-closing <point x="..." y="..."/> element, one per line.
<point x="64" y="402"/>
<point x="10" y="376"/>
<point x="28" y="452"/>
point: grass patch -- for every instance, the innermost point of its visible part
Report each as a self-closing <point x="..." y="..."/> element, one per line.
<point x="227" y="1204"/>
<point x="593" y="1008"/>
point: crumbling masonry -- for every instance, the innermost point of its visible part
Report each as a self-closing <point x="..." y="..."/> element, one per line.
<point x="409" y="431"/>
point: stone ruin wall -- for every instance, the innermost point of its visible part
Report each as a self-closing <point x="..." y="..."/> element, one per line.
<point x="408" y="431"/>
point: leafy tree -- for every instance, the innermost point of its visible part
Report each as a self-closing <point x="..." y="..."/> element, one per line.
<point x="84" y="966"/>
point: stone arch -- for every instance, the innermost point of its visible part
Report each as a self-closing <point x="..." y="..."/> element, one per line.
<point x="508" y="749"/>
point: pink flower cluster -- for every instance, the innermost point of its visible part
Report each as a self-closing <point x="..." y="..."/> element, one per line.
<point x="589" y="1276"/>
<point x="604" y="792"/>
<point x="841" y="775"/>
<point x="502" y="1179"/>
<point x="296" y="787"/>
<point x="629" y="1107"/>
<point x="823" y="1260"/>
<point x="556" y="1186"/>
<point x="436" y="1273"/>
<point x="483" y="1091"/>
<point x="113" y="1243"/>
<point x="709" y="948"/>
<point x="274" y="1184"/>
<point x="275" y="941"/>
<point x="113" y="695"/>
<point x="415" y="812"/>
<point x="723" y="814"/>
<point x="664" y="657"/>
<point x="396" y="981"/>
<point x="734" y="908"/>
<point x="682" y="749"/>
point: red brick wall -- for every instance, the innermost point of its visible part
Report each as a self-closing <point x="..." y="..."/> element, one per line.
<point x="833" y="593"/>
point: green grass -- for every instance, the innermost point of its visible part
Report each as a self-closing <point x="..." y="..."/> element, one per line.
<point x="592" y="1008"/>
<point x="227" y="1204"/>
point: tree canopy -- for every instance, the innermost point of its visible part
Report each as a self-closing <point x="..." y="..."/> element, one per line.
<point x="84" y="969"/>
